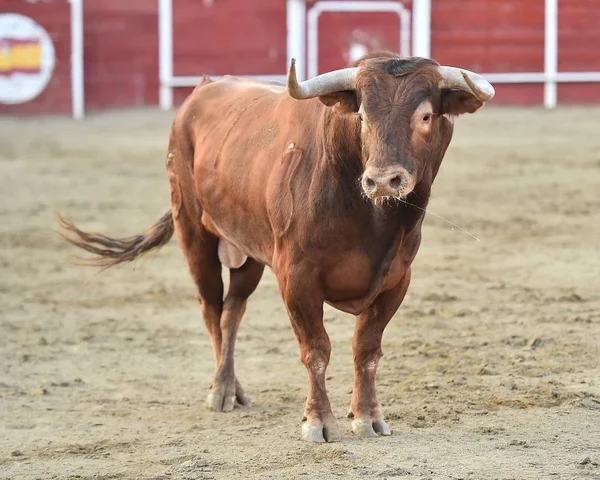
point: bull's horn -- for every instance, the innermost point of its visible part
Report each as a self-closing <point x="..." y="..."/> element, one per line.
<point x="459" y="79"/>
<point x="330" y="82"/>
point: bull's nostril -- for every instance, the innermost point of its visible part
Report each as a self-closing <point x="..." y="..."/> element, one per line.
<point x="396" y="182"/>
<point x="370" y="183"/>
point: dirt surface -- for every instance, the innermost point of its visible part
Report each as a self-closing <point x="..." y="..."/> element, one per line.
<point x="491" y="366"/>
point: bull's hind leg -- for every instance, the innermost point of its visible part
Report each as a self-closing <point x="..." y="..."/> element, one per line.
<point x="226" y="390"/>
<point x="221" y="317"/>
<point x="201" y="249"/>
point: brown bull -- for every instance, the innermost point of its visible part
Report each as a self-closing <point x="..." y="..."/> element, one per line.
<point x="325" y="183"/>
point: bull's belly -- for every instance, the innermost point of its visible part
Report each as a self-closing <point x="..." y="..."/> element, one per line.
<point x="236" y="246"/>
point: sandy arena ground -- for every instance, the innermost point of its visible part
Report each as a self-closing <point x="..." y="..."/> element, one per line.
<point x="491" y="367"/>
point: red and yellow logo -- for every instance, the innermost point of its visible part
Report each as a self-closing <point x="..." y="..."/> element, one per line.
<point x="20" y="56"/>
<point x="27" y="58"/>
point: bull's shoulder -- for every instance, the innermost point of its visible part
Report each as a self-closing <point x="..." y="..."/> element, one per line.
<point x="284" y="190"/>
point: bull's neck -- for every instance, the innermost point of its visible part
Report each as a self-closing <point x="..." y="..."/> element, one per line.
<point x="341" y="148"/>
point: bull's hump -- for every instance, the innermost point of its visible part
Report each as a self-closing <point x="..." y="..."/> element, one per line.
<point x="242" y="82"/>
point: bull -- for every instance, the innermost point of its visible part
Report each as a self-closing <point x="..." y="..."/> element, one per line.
<point x="326" y="182"/>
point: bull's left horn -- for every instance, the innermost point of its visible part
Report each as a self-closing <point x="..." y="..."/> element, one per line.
<point x="459" y="79"/>
<point x="324" y="84"/>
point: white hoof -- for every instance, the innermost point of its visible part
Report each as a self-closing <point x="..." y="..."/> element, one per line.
<point x="321" y="433"/>
<point x="370" y="428"/>
<point x="220" y="403"/>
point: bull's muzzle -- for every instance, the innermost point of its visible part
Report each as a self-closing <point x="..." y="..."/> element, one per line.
<point x="394" y="182"/>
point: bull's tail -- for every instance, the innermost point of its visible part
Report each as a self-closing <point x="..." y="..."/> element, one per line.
<point x="112" y="251"/>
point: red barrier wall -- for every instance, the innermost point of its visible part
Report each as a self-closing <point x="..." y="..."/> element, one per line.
<point x="219" y="37"/>
<point x="492" y="36"/>
<point x="338" y="30"/>
<point x="579" y="48"/>
<point x="120" y="53"/>
<point x="508" y="36"/>
<point x="230" y="36"/>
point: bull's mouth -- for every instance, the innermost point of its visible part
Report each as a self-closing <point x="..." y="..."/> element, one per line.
<point x="386" y="201"/>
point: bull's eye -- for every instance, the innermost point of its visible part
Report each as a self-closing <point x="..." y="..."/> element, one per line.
<point x="427" y="117"/>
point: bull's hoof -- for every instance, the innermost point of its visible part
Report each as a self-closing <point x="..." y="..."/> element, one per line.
<point x="319" y="433"/>
<point x="221" y="398"/>
<point x="370" y="428"/>
<point x="220" y="402"/>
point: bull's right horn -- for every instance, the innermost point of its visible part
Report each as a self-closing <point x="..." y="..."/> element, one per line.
<point x="336" y="81"/>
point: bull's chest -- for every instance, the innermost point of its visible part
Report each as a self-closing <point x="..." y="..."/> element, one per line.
<point x="353" y="283"/>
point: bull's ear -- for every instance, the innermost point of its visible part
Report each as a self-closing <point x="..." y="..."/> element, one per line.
<point x="457" y="102"/>
<point x="346" y="101"/>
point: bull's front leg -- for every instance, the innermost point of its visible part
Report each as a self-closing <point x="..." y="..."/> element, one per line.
<point x="305" y="307"/>
<point x="365" y="409"/>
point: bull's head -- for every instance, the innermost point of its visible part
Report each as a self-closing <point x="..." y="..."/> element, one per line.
<point x="403" y="105"/>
